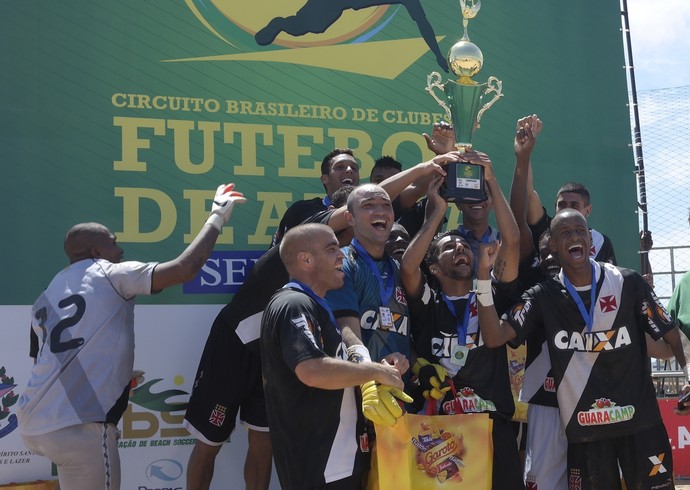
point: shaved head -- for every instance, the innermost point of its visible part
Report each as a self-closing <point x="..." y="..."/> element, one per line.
<point x="81" y="237"/>
<point x="91" y="240"/>
<point x="365" y="190"/>
<point x="302" y="238"/>
<point x="565" y="214"/>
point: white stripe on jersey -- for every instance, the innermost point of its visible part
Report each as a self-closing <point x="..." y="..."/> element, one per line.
<point x="249" y="329"/>
<point x="580" y="364"/>
<point x="344" y="448"/>
<point x="597" y="242"/>
<point x="574" y="382"/>
<point x="535" y="374"/>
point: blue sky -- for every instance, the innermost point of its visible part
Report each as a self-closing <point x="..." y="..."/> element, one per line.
<point x="660" y="31"/>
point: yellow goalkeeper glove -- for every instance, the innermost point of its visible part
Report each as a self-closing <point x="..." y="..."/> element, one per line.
<point x="379" y="403"/>
<point x="433" y="379"/>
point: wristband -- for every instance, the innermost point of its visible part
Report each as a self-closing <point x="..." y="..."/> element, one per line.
<point x="216" y="221"/>
<point x="358" y="353"/>
<point x="484" y="294"/>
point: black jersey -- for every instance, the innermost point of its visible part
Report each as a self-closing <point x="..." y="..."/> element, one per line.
<point x="602" y="377"/>
<point x="296" y="214"/>
<point x="538" y="385"/>
<point x="483" y="382"/>
<point x="317" y="435"/>
<point x="233" y="347"/>
<point x="266" y="276"/>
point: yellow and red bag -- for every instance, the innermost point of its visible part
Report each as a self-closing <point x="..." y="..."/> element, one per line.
<point x="516" y="370"/>
<point x="434" y="452"/>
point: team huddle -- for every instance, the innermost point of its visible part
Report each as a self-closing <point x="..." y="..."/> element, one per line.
<point x="365" y="308"/>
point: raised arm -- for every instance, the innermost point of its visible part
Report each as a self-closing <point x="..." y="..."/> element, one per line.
<point x="507" y="260"/>
<point x="410" y="270"/>
<point x="486" y="310"/>
<point x="420" y="174"/>
<point x="397" y="183"/>
<point x="441" y="141"/>
<point x="188" y="263"/>
<point x="525" y="138"/>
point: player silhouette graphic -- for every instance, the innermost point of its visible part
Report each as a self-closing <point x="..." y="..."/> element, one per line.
<point x="316" y="16"/>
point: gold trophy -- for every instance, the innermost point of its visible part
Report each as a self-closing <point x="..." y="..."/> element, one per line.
<point x="463" y="105"/>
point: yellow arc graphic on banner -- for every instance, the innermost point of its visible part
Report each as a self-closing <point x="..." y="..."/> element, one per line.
<point x="383" y="59"/>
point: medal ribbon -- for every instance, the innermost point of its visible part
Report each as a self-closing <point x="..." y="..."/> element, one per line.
<point x="320" y="301"/>
<point x="460" y="325"/>
<point x="385" y="290"/>
<point x="587" y="316"/>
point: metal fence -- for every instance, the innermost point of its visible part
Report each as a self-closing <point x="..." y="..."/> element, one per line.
<point x="665" y="131"/>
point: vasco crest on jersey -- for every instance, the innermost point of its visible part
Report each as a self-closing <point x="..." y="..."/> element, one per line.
<point x="608" y="304"/>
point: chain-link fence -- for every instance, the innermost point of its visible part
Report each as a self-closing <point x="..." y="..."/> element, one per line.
<point x="665" y="129"/>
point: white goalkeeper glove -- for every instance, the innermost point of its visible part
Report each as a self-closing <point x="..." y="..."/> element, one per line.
<point x="223" y="202"/>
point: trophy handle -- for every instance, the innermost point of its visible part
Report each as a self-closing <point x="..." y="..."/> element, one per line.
<point x="493" y="84"/>
<point x="433" y="80"/>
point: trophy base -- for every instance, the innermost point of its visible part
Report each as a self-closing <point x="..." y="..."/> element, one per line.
<point x="464" y="183"/>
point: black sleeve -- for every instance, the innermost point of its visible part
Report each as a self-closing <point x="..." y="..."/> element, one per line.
<point x="321" y="217"/>
<point x="286" y="222"/>
<point x="524" y="316"/>
<point x="539" y="228"/>
<point x="297" y="214"/>
<point x="529" y="272"/>
<point x="33" y="344"/>
<point x="506" y="294"/>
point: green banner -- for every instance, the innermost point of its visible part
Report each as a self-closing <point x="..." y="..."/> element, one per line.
<point x="130" y="113"/>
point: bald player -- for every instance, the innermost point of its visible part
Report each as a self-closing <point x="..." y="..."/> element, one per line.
<point x="307" y="376"/>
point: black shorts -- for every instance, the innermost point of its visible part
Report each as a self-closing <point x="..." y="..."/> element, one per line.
<point x="228" y="380"/>
<point x="644" y="458"/>
<point x="507" y="472"/>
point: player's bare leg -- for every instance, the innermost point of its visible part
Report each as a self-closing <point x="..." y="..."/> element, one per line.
<point x="200" y="466"/>
<point x="258" y="465"/>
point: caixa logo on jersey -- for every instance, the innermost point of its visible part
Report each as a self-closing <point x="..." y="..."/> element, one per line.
<point x="161" y="473"/>
<point x="223" y="273"/>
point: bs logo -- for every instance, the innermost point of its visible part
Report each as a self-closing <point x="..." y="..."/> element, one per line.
<point x="8" y="420"/>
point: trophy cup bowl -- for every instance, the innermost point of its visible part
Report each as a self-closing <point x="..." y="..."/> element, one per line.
<point x="463" y="104"/>
<point x="463" y="101"/>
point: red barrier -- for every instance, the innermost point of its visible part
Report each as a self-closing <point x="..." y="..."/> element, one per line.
<point x="678" y="428"/>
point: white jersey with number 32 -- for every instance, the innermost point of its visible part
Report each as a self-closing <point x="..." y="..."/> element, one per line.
<point x="85" y="323"/>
